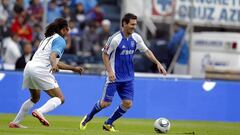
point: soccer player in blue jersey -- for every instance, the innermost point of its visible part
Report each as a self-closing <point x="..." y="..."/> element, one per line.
<point x="118" y="60"/>
<point x="38" y="73"/>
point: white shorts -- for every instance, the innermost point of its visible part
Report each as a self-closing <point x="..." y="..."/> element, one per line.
<point x="38" y="77"/>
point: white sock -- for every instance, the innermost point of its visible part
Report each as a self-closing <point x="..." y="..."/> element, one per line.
<point x="50" y="105"/>
<point x="26" y="106"/>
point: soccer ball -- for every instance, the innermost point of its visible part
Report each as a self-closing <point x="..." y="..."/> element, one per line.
<point x="162" y="125"/>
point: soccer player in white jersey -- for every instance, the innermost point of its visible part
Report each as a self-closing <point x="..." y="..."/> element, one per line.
<point x="118" y="60"/>
<point x="38" y="73"/>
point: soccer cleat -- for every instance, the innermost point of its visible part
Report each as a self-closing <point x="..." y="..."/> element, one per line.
<point x="40" y="117"/>
<point x="15" y="125"/>
<point x="110" y="128"/>
<point x="83" y="124"/>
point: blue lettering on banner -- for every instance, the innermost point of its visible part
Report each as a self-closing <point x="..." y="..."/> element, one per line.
<point x="233" y="14"/>
<point x="223" y="15"/>
<point x="196" y="12"/>
<point x="203" y="43"/>
<point x="215" y="2"/>
<point x="210" y="17"/>
<point x="208" y="13"/>
<point x="224" y="12"/>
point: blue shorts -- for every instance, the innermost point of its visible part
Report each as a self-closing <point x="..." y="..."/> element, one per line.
<point x="124" y="89"/>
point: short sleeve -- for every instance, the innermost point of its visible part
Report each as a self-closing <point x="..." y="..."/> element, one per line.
<point x="140" y="44"/>
<point x="110" y="46"/>
<point x="58" y="46"/>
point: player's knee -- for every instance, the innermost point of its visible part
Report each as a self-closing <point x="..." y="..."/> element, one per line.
<point x="62" y="99"/>
<point x="35" y="99"/>
<point x="127" y="104"/>
<point x="105" y="104"/>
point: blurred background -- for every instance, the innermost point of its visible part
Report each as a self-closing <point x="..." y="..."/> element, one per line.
<point x="196" y="40"/>
<point x="191" y="38"/>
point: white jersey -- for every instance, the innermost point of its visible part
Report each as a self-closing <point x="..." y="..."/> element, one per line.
<point x="53" y="43"/>
<point x="37" y="71"/>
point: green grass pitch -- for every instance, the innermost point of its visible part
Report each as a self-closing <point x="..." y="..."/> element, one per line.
<point x="63" y="125"/>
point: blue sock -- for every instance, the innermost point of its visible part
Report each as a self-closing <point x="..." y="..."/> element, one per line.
<point x="97" y="108"/>
<point x="117" y="114"/>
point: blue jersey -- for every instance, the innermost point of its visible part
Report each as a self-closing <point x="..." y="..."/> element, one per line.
<point x="121" y="51"/>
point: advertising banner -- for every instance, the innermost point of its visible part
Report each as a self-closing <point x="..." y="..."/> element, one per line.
<point x="209" y="12"/>
<point x="202" y="12"/>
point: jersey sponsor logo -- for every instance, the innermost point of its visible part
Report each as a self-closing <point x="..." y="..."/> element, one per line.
<point x="127" y="52"/>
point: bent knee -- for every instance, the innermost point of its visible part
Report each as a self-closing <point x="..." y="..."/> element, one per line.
<point x="62" y="99"/>
<point x="105" y="104"/>
<point x="35" y="99"/>
<point x="127" y="104"/>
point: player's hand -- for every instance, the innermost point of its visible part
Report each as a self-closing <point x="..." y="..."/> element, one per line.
<point x="111" y="77"/>
<point x="54" y="69"/>
<point x="161" y="69"/>
<point x="79" y="70"/>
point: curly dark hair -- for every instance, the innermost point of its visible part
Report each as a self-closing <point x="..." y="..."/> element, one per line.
<point x="55" y="27"/>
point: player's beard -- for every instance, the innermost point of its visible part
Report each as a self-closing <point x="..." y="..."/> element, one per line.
<point x="130" y="31"/>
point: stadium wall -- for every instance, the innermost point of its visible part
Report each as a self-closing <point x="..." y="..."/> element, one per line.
<point x="176" y="99"/>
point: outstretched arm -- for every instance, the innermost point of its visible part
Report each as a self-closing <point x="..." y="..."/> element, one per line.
<point x="151" y="57"/>
<point x="64" y="66"/>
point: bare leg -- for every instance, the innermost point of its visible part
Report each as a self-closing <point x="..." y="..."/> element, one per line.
<point x="55" y="101"/>
<point x="51" y="104"/>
